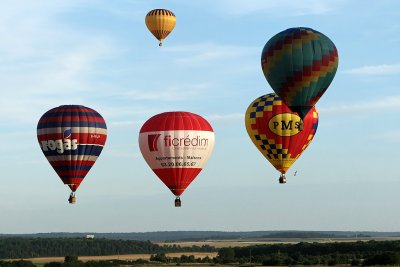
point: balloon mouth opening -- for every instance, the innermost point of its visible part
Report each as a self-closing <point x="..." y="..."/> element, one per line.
<point x="73" y="187"/>
<point x="73" y="183"/>
<point x="302" y="111"/>
<point x="177" y="192"/>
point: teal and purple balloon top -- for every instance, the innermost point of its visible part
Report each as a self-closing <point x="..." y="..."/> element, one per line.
<point x="299" y="64"/>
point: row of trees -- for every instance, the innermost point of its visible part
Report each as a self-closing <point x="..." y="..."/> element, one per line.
<point x="353" y="253"/>
<point x="13" y="248"/>
<point x="20" y="263"/>
<point x="162" y="258"/>
<point x="73" y="261"/>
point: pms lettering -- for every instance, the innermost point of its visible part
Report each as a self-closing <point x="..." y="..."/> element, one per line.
<point x="59" y="144"/>
<point x="286" y="126"/>
<point x="185" y="141"/>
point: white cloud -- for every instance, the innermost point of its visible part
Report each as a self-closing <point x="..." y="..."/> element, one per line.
<point x="26" y="25"/>
<point x="384" y="69"/>
<point x="44" y="63"/>
<point x="17" y="135"/>
<point x="126" y="123"/>
<point x="233" y="117"/>
<point x="393" y="136"/>
<point x="283" y="8"/>
<point x="125" y="151"/>
<point x="64" y="79"/>
<point x="111" y="153"/>
<point x="125" y="9"/>
<point x="110" y="111"/>
<point x="206" y="52"/>
<point x="378" y="105"/>
<point x="167" y="93"/>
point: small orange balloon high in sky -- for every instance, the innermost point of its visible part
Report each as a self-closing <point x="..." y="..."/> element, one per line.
<point x="160" y="23"/>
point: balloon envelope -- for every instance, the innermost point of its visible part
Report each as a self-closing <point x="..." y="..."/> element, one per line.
<point x="72" y="138"/>
<point x="176" y="146"/>
<point x="274" y="130"/>
<point x="160" y="23"/>
<point x="299" y="64"/>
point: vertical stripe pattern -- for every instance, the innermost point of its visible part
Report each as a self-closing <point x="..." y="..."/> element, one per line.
<point x="160" y="23"/>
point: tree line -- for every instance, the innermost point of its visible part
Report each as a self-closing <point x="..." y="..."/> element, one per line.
<point x="73" y="261"/>
<point x="338" y="253"/>
<point x="14" y="248"/>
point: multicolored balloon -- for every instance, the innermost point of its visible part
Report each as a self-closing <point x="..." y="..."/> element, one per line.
<point x="160" y="23"/>
<point x="176" y="146"/>
<point x="274" y="129"/>
<point x="299" y="64"/>
<point x="72" y="138"/>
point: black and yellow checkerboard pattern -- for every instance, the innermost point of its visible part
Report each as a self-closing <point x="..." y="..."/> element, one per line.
<point x="274" y="152"/>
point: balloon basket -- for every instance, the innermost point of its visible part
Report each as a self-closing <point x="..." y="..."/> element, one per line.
<point x="178" y="202"/>
<point x="282" y="179"/>
<point x="72" y="199"/>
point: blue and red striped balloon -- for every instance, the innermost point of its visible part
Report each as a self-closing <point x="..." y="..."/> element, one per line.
<point x="72" y="138"/>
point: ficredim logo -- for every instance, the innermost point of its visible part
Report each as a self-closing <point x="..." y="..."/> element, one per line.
<point x="172" y="141"/>
<point x="152" y="141"/>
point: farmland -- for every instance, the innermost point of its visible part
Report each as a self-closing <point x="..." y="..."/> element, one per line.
<point x="270" y="251"/>
<point x="270" y="241"/>
<point x="125" y="257"/>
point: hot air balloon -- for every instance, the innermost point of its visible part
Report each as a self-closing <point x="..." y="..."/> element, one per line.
<point x="160" y="23"/>
<point x="299" y="64"/>
<point x="176" y="146"/>
<point x="71" y="138"/>
<point x="274" y="129"/>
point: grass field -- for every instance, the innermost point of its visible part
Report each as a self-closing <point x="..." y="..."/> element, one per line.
<point x="214" y="243"/>
<point x="129" y="257"/>
<point x="220" y="244"/>
<point x="265" y="241"/>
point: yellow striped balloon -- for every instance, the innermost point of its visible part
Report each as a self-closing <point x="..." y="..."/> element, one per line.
<point x="160" y="23"/>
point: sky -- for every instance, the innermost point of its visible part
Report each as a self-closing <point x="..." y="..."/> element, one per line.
<point x="99" y="54"/>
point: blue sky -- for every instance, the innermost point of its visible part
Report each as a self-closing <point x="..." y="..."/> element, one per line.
<point x="100" y="54"/>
